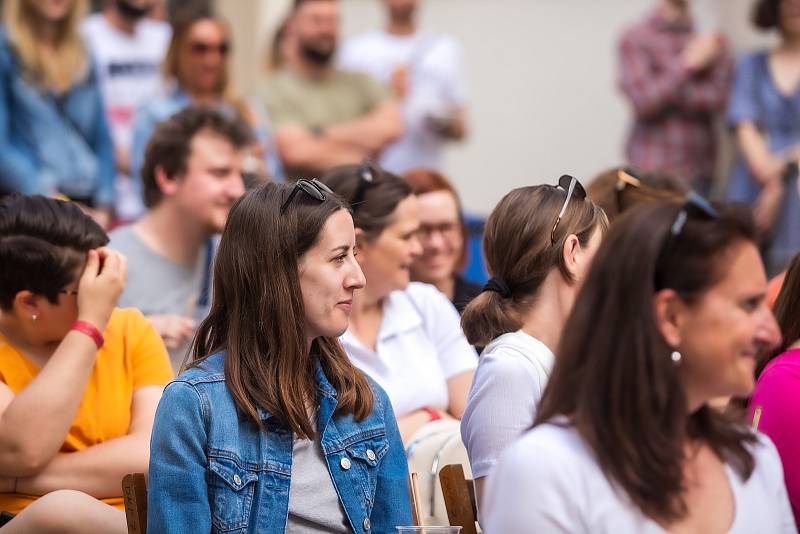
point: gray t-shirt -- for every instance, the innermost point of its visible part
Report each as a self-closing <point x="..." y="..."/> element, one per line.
<point x="159" y="286"/>
<point x="314" y="504"/>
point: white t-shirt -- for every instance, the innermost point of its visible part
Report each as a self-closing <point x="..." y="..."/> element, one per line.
<point x="129" y="73"/>
<point x="549" y="481"/>
<point x="511" y="376"/>
<point x="436" y="85"/>
<point x="420" y="346"/>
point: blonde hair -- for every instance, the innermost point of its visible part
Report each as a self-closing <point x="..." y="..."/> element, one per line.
<point x="70" y="62"/>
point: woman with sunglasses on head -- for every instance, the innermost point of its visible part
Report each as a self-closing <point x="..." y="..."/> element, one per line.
<point x="403" y="334"/>
<point x="271" y="428"/>
<point x="773" y="405"/>
<point x="671" y="315"/>
<point x="196" y="71"/>
<point x="538" y="242"/>
<point x="619" y="189"/>
<point x="54" y="138"/>
<point x="443" y="236"/>
<point x="79" y="379"/>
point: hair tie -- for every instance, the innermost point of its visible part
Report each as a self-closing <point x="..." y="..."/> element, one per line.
<point x="498" y="285"/>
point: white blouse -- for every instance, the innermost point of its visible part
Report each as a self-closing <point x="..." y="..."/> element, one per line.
<point x="549" y="481"/>
<point x="420" y="346"/>
<point x="511" y="376"/>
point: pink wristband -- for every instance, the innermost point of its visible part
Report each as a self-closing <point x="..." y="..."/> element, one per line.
<point x="433" y="414"/>
<point x="90" y="330"/>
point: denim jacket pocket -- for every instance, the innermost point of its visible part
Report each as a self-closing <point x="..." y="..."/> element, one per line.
<point x="231" y="491"/>
<point x="368" y="455"/>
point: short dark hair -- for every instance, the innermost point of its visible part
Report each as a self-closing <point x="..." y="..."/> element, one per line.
<point x="374" y="210"/>
<point x="767" y="14"/>
<point x="170" y="145"/>
<point x="43" y="243"/>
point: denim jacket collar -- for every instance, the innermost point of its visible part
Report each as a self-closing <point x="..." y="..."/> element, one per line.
<point x="327" y="398"/>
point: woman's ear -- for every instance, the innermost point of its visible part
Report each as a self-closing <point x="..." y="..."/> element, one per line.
<point x="26" y="304"/>
<point x="572" y="254"/>
<point x="669" y="311"/>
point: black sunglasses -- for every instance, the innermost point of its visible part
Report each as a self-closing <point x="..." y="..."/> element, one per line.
<point x="366" y="179"/>
<point x="313" y="188"/>
<point x="694" y="206"/>
<point x="573" y="187"/>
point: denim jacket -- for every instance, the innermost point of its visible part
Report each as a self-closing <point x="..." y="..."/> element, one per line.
<point x="212" y="470"/>
<point x="53" y="143"/>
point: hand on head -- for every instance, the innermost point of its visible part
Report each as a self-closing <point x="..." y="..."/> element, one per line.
<point x="100" y="285"/>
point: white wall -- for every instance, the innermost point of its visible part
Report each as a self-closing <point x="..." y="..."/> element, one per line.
<point x="542" y="77"/>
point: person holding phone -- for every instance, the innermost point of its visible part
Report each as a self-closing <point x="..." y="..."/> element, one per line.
<point x="79" y="378"/>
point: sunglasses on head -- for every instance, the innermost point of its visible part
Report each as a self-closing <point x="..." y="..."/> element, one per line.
<point x="200" y="48"/>
<point x="573" y="187"/>
<point x="694" y="206"/>
<point x="366" y="178"/>
<point x="313" y="188"/>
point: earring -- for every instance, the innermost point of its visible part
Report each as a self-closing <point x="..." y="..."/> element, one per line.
<point x="676" y="357"/>
<point x="34" y="317"/>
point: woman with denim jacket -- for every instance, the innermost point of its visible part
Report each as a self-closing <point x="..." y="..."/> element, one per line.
<point x="271" y="428"/>
<point x="53" y="133"/>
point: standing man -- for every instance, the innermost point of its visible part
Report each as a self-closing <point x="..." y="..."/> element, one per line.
<point x="192" y="175"/>
<point x="324" y="116"/>
<point x="677" y="81"/>
<point x="127" y="48"/>
<point x="425" y="71"/>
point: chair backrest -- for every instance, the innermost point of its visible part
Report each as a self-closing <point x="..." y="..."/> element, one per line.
<point x="459" y="498"/>
<point x="134" y="492"/>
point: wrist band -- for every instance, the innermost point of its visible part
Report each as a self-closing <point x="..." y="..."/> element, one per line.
<point x="434" y="415"/>
<point x="90" y="330"/>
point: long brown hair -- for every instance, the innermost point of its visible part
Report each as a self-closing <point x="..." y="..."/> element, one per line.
<point x="787" y="312"/>
<point x="517" y="249"/>
<point x="71" y="62"/>
<point x="257" y="314"/>
<point x="613" y="376"/>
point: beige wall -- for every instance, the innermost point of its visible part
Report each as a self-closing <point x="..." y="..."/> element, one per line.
<point x="541" y="76"/>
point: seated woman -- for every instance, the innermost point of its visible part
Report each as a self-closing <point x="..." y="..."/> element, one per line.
<point x="405" y="335"/>
<point x="671" y="315"/>
<point x="773" y="406"/>
<point x="519" y="317"/>
<point x="196" y="71"/>
<point x="79" y="380"/>
<point x="443" y="236"/>
<point x="272" y="429"/>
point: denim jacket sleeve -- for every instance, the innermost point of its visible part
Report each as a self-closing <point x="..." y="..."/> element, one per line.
<point x="392" y="505"/>
<point x="104" y="149"/>
<point x="18" y="171"/>
<point x="177" y="496"/>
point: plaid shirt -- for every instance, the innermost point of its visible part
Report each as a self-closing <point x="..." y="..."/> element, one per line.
<point x="674" y="109"/>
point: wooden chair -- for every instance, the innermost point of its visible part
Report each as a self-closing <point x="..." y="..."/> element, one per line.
<point x="459" y="498"/>
<point x="134" y="492"/>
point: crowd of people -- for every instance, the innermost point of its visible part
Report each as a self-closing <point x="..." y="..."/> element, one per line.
<point x="260" y="302"/>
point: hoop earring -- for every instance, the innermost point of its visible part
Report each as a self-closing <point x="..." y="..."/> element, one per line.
<point x="676" y="357"/>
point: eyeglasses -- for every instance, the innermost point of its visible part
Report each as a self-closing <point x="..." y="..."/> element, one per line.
<point x="449" y="230"/>
<point x="573" y="187"/>
<point x="68" y="291"/>
<point x="200" y="48"/>
<point x="313" y="188"/>
<point x="366" y="175"/>
<point x="694" y="205"/>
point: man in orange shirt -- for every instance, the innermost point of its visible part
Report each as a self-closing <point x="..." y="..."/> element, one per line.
<point x="79" y="379"/>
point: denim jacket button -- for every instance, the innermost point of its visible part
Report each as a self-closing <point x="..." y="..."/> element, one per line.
<point x="370" y="454"/>
<point x="345" y="463"/>
<point x="367" y="524"/>
<point x="237" y="480"/>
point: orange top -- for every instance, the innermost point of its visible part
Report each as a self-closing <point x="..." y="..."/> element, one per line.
<point x="132" y="357"/>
